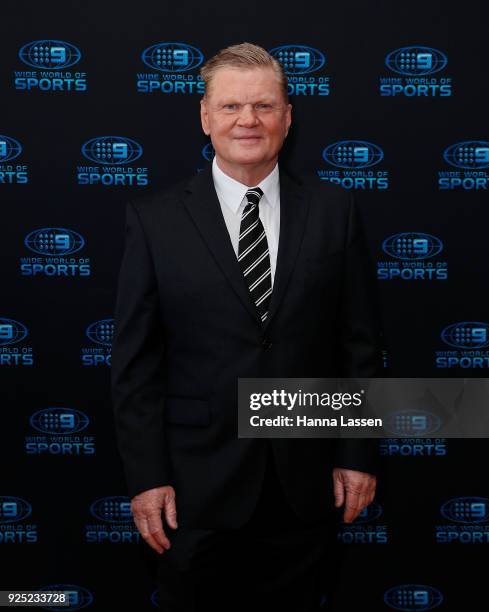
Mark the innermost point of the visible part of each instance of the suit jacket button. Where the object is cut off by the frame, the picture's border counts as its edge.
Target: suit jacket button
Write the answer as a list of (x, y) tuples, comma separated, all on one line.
[(266, 343)]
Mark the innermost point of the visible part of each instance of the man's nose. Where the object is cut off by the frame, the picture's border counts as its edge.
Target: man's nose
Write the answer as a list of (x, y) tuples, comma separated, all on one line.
[(247, 115)]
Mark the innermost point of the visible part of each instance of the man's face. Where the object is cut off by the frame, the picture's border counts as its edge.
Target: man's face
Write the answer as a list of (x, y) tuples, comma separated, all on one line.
[(245, 115)]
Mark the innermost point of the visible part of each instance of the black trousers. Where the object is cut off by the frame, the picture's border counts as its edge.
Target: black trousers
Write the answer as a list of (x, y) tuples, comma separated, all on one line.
[(273, 563)]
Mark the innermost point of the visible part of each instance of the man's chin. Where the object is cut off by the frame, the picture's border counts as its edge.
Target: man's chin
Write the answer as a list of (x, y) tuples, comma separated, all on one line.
[(249, 155)]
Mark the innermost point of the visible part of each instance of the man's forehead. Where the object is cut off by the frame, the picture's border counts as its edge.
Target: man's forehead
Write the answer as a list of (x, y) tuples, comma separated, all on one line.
[(243, 71), (257, 79)]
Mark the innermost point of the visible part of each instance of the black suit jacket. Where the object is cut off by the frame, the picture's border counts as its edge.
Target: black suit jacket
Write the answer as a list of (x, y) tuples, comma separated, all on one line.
[(186, 328)]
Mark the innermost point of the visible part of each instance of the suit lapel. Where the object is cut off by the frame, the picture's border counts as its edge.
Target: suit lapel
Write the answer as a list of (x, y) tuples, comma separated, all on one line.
[(294, 207), (204, 208)]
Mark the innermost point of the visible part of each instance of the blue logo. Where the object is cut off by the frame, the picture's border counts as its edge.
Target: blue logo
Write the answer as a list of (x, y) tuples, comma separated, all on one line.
[(77, 596), (9, 148), (54, 241), (13, 509), (409, 597), (208, 151), (154, 598), (112, 150), (466, 335), (298, 59), (365, 529), (416, 61), (57, 421), (412, 246), (466, 510), (172, 57), (11, 331), (353, 154), (407, 423), (470, 155), (101, 331), (112, 509), (49, 54), (371, 513)]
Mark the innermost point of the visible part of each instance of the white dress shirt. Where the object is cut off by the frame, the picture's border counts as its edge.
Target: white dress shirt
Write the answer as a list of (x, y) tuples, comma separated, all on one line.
[(231, 195)]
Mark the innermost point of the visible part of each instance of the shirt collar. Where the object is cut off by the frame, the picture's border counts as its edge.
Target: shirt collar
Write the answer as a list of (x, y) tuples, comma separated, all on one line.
[(232, 191)]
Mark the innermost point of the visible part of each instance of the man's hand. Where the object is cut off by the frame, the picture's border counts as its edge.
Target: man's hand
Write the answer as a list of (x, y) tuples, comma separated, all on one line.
[(146, 509), (355, 489)]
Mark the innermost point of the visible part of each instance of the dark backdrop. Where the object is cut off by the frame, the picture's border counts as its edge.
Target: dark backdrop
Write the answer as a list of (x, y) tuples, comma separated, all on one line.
[(64, 515)]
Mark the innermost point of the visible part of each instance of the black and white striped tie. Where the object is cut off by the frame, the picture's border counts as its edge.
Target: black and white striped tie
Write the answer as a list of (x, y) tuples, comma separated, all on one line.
[(253, 253)]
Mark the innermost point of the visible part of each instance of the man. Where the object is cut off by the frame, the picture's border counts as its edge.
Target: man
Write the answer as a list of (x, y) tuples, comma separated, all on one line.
[(239, 272)]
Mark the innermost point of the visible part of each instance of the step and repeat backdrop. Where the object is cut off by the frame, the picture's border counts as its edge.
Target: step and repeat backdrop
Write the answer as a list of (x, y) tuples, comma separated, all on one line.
[(100, 104)]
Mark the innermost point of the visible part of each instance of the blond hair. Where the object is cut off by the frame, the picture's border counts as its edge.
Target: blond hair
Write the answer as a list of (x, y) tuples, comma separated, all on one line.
[(245, 55)]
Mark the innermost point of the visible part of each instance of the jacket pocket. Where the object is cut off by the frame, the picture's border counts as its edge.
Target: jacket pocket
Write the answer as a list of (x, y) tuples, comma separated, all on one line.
[(187, 411)]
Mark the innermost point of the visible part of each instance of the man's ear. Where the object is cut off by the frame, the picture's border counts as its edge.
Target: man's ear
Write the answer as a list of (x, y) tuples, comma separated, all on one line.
[(288, 119), (204, 117)]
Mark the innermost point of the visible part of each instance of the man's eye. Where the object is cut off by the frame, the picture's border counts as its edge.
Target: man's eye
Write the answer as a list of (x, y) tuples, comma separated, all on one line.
[(263, 105), (230, 106)]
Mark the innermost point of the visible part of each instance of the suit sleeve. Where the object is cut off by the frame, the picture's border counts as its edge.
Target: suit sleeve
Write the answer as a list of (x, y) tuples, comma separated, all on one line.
[(360, 335), (137, 380)]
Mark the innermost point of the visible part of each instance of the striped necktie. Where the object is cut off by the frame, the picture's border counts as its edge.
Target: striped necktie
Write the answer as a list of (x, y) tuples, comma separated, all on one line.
[(253, 254)]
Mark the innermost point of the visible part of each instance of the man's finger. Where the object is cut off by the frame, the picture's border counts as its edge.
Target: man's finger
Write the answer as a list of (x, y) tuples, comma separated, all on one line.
[(370, 494), (171, 511), (142, 525), (362, 502), (352, 506), (339, 494), (149, 539), (155, 527)]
